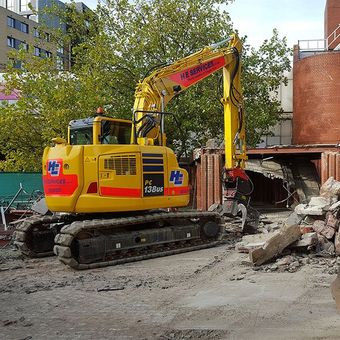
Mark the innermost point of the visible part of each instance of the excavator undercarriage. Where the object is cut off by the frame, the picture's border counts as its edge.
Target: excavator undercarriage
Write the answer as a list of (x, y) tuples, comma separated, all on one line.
[(99, 242)]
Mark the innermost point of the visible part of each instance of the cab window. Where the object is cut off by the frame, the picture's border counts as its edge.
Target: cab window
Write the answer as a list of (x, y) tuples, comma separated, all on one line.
[(114, 132), (81, 136)]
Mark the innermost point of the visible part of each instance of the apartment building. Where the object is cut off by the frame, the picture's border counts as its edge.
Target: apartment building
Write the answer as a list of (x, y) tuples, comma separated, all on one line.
[(18, 32)]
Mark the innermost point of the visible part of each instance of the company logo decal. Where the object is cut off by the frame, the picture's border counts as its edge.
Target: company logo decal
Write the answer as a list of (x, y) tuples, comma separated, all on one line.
[(176, 177), (194, 74), (55, 182), (53, 167)]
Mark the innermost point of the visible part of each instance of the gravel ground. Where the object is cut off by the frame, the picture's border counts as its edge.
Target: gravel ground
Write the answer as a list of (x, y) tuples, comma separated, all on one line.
[(207, 294)]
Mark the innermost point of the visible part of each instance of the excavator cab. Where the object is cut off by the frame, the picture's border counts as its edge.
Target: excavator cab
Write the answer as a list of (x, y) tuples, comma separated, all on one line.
[(99, 130)]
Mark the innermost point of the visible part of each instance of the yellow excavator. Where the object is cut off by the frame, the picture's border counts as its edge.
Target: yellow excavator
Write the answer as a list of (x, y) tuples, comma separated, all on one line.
[(115, 188)]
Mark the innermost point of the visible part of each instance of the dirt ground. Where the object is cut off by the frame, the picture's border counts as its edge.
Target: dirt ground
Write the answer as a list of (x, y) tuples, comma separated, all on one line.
[(208, 294)]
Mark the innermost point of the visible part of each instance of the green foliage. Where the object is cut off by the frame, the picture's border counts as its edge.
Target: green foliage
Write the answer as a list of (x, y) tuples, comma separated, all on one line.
[(114, 50), (263, 72)]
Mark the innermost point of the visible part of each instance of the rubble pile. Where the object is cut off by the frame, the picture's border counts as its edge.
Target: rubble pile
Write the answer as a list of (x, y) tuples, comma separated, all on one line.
[(320, 220), (312, 230)]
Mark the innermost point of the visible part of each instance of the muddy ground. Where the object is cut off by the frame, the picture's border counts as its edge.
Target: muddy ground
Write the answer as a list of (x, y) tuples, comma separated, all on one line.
[(208, 294)]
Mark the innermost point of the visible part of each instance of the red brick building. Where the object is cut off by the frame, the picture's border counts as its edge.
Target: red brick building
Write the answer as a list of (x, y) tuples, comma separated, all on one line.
[(316, 90)]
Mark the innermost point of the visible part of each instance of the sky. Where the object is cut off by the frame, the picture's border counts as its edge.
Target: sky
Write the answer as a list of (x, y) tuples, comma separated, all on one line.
[(295, 19)]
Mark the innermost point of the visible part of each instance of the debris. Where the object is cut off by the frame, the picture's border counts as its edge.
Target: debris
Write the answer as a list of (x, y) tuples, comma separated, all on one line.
[(9, 322), (325, 247), (306, 229), (307, 242), (321, 228), (274, 246), (330, 188), (304, 209), (108, 289), (250, 242), (335, 206), (331, 221), (337, 244), (40, 206)]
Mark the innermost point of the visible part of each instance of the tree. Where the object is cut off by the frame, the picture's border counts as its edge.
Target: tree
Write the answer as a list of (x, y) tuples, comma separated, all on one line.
[(128, 40), (263, 72)]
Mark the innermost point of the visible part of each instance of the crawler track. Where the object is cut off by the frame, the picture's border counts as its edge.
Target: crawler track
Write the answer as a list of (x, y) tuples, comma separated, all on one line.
[(34, 237), (105, 242)]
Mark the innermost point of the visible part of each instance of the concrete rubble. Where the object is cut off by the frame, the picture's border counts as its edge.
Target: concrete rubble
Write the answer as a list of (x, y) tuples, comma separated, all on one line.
[(310, 235), (312, 230)]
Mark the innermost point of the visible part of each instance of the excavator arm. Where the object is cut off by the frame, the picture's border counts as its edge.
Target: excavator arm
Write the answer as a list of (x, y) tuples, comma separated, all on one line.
[(155, 91)]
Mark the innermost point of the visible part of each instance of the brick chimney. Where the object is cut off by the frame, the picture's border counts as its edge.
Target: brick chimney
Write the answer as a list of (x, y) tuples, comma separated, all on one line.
[(332, 22)]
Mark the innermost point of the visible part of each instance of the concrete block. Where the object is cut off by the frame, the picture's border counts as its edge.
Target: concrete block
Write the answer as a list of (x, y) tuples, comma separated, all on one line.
[(274, 246), (320, 202), (250, 242), (304, 209), (330, 188)]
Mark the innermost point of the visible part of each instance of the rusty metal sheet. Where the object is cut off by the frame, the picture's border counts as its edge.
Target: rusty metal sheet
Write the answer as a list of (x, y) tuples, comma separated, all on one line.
[(330, 166)]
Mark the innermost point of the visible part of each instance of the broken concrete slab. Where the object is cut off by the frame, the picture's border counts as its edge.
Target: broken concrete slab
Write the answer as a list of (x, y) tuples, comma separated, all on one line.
[(321, 202), (288, 234), (251, 242), (304, 209)]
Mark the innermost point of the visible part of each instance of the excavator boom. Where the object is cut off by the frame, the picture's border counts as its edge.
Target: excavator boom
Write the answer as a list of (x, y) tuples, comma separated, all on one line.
[(156, 90)]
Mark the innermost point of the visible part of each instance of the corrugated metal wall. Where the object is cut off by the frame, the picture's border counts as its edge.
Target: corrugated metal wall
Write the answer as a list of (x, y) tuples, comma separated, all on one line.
[(208, 180), (330, 166)]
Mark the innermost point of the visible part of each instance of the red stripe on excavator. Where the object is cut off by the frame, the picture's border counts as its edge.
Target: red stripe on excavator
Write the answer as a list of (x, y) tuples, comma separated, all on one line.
[(63, 185), (128, 192), (174, 191), (193, 74), (120, 192)]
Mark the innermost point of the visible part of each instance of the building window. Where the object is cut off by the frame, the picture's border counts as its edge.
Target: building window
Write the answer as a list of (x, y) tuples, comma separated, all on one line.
[(37, 51), (23, 27), (60, 50), (48, 54), (24, 46), (36, 32), (48, 37), (10, 22), (10, 42)]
